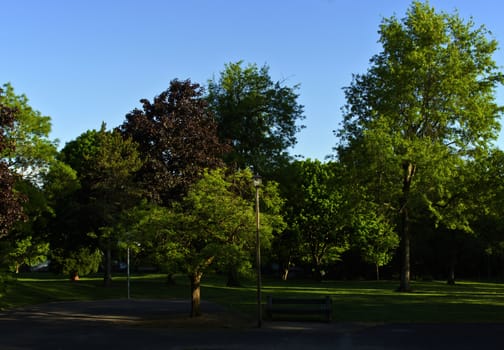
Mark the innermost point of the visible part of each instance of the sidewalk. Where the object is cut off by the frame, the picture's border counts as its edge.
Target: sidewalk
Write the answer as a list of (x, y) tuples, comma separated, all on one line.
[(163, 324)]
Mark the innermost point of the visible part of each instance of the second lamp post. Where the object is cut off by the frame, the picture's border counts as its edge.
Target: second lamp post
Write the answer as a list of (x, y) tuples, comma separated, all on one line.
[(257, 183)]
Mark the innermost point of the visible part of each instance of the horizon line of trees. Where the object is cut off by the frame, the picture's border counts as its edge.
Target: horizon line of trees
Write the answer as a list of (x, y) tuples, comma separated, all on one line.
[(414, 187)]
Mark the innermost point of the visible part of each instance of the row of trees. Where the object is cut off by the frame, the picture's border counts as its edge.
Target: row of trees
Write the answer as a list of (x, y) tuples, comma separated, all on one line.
[(169, 179), (415, 171)]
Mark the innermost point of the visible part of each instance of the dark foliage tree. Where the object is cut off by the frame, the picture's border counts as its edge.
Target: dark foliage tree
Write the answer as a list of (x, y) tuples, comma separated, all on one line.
[(258, 116), (108, 176), (105, 163), (73, 218), (10, 202), (68, 224), (177, 137)]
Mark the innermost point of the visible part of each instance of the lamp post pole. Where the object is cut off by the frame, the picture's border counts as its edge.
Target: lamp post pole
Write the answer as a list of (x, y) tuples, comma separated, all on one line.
[(257, 184), (128, 270), (128, 263)]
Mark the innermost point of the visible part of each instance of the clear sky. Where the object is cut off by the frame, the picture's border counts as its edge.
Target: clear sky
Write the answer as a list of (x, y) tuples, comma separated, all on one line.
[(82, 62)]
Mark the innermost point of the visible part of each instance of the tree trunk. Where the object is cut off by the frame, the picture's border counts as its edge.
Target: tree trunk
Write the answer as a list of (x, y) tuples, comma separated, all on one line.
[(317, 273), (502, 265), (316, 263), (170, 280), (451, 275), (107, 278), (377, 272), (285, 273), (452, 261), (195, 279), (409, 171), (489, 267), (405, 285), (74, 276), (285, 269), (233, 280)]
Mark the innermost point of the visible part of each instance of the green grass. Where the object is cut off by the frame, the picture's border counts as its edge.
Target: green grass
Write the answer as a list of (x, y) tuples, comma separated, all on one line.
[(430, 302), (356, 301)]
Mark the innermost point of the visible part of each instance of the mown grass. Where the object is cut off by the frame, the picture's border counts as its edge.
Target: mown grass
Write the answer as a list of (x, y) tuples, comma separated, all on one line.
[(430, 302), (353, 301)]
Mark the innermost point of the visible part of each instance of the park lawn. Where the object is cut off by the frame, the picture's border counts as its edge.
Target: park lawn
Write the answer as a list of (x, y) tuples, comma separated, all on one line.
[(365, 301), (36, 288), (353, 301)]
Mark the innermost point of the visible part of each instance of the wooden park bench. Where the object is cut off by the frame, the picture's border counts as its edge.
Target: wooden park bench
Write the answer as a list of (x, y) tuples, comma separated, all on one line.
[(299, 306)]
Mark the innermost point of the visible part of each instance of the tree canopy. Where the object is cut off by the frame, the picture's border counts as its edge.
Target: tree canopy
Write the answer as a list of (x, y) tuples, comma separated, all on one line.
[(214, 225), (318, 214), (177, 137), (95, 192), (29, 132), (426, 103), (257, 115)]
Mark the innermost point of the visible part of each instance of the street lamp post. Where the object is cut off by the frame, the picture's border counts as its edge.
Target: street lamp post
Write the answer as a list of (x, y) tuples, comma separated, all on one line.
[(128, 269), (257, 183), (128, 260)]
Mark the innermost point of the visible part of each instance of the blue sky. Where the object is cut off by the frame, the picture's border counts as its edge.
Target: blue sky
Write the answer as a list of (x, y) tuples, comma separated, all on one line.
[(82, 62)]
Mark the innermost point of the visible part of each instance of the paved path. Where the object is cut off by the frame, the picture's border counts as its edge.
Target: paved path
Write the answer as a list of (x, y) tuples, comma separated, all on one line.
[(162, 324)]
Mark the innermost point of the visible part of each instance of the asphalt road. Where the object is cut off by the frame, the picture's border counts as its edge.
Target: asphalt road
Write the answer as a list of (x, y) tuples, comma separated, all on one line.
[(163, 324)]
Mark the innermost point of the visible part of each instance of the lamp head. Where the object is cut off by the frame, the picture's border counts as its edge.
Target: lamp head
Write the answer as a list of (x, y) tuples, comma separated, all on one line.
[(257, 180)]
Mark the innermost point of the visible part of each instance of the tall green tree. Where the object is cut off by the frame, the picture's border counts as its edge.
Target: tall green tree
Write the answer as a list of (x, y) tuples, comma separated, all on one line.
[(109, 177), (257, 115), (105, 164), (426, 102), (74, 219), (375, 236), (68, 225), (177, 138), (318, 213)]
